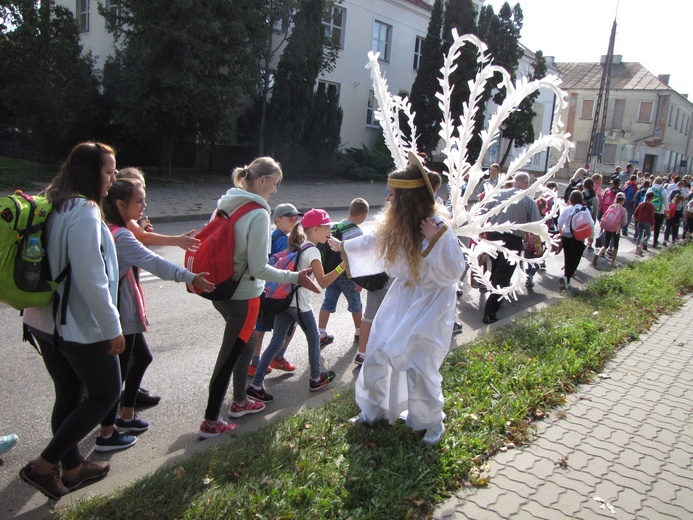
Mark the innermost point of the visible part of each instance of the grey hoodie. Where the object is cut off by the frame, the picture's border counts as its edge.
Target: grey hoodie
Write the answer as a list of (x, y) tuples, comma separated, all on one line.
[(252, 247)]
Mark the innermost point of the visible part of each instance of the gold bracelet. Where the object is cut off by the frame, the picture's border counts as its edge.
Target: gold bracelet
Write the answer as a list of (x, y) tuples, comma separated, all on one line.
[(339, 269)]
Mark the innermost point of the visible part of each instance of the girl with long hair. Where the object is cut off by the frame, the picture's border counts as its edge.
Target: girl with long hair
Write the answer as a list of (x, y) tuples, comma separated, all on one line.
[(79, 348), (415, 244)]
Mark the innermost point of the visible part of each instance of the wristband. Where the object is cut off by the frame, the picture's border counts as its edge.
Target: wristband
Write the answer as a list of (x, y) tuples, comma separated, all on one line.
[(339, 269)]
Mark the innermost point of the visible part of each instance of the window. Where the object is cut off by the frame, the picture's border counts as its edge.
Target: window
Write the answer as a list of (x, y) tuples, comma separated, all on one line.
[(587, 109), (671, 112), (331, 89), (418, 46), (83, 15), (382, 39), (334, 23), (370, 110), (645, 112), (619, 109), (678, 114)]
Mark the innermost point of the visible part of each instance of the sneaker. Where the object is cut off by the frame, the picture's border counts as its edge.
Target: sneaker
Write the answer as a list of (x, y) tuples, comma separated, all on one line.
[(590, 249), (356, 338), (358, 360), (250, 406), (456, 328), (644, 248), (563, 281), (7, 442), (325, 379), (284, 364), (89, 473), (252, 369), (259, 395), (47, 483), (433, 435), (664, 244), (145, 398), (595, 260), (208, 431), (135, 425), (326, 340), (529, 283), (489, 319), (117, 441), (356, 420)]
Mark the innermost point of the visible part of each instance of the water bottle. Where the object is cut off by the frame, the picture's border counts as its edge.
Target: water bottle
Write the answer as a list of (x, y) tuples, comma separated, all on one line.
[(31, 268)]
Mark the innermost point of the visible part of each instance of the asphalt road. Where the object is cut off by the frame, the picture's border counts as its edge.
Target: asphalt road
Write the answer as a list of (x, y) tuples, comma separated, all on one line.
[(184, 337)]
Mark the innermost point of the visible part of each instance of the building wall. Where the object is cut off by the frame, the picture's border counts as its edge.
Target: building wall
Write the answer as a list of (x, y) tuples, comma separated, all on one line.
[(665, 135)]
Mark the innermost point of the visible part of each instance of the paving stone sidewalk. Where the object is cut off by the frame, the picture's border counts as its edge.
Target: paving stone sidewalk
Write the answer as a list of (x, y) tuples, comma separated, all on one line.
[(627, 439)]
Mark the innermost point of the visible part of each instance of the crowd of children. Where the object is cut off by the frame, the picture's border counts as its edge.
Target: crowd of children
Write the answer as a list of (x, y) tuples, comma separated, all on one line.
[(413, 242)]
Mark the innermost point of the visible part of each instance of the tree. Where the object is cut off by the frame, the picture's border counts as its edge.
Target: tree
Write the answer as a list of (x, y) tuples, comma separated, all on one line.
[(461, 15), (423, 98), (180, 68), (501, 33), (47, 82), (308, 51), (519, 127)]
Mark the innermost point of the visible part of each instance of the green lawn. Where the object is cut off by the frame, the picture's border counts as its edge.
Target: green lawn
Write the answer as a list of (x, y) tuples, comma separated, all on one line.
[(314, 465)]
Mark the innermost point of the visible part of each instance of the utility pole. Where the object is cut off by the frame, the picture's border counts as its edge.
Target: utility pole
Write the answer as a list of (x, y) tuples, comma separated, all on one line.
[(596, 145)]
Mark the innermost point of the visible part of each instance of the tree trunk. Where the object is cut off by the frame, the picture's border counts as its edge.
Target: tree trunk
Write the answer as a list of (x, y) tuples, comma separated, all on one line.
[(164, 168), (507, 152)]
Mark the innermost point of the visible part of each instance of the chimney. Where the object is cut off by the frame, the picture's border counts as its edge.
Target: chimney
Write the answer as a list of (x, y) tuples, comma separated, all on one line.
[(615, 60), (664, 78)]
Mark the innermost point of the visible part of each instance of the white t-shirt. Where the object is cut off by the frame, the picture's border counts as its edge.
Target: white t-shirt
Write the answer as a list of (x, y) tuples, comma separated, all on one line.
[(304, 262)]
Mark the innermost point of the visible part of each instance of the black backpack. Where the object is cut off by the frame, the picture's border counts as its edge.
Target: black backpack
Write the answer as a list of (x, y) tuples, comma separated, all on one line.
[(331, 259)]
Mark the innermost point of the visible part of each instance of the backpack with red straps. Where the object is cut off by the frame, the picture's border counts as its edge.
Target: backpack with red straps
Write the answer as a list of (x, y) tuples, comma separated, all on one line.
[(215, 254)]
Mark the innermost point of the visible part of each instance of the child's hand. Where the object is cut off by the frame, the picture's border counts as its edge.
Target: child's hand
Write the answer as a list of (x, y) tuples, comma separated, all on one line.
[(186, 241), (334, 244), (429, 229), (304, 280), (202, 283)]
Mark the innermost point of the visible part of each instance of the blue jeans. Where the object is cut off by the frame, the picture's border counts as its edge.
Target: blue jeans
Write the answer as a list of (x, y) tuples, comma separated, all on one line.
[(342, 285), (282, 323), (629, 210), (643, 230)]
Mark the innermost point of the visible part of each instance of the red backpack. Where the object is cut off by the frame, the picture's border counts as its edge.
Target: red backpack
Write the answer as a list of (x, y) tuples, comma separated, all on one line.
[(579, 224), (215, 254)]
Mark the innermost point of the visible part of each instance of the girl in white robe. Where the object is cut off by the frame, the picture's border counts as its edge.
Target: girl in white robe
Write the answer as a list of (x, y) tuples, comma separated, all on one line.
[(411, 332)]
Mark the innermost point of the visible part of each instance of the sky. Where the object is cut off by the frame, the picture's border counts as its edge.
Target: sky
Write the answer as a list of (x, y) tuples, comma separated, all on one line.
[(656, 34)]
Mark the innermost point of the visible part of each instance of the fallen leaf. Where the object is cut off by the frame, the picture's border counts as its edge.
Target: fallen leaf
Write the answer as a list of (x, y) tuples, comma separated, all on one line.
[(604, 504), (605, 376), (562, 461), (179, 472), (207, 481)]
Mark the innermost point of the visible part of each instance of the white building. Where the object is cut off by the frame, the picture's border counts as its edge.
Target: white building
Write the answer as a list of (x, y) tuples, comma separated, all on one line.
[(395, 28)]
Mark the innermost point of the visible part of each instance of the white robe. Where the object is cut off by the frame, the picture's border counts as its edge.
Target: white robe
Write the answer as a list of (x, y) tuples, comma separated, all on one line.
[(411, 332)]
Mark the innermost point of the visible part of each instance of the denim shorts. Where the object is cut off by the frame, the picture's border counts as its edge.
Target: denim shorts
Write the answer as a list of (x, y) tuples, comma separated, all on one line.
[(342, 285)]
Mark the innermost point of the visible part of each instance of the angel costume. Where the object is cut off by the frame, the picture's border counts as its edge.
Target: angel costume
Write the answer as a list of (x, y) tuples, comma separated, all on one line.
[(411, 332)]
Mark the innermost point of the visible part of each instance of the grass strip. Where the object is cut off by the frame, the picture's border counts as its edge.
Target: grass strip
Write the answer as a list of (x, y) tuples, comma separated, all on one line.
[(314, 466)]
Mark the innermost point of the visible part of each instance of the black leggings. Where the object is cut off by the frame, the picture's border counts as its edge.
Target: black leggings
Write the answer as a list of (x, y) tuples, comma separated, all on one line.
[(501, 270), (572, 254), (659, 220), (74, 368), (141, 359)]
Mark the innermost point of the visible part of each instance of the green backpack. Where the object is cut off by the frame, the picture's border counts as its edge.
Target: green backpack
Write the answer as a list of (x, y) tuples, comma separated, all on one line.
[(23, 217)]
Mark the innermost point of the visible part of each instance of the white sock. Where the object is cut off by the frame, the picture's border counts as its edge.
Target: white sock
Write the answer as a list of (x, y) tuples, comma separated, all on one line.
[(323, 332), (357, 331)]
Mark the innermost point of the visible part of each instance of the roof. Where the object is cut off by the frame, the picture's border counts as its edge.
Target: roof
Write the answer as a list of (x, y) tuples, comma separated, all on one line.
[(624, 76)]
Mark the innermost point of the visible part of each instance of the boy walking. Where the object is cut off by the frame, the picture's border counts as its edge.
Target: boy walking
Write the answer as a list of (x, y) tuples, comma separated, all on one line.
[(358, 212), (644, 220)]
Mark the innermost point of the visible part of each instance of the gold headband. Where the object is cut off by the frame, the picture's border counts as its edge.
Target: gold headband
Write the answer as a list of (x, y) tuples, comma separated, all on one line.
[(405, 184)]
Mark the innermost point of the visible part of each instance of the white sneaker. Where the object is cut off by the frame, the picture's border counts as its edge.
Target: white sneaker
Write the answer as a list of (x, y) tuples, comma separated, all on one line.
[(433, 435)]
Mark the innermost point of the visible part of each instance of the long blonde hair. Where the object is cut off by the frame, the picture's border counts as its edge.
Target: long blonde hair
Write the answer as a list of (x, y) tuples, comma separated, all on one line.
[(399, 227)]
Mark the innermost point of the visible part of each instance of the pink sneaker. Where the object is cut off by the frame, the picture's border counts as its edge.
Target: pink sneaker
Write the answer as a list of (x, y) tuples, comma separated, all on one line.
[(250, 406), (207, 431), (284, 364)]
